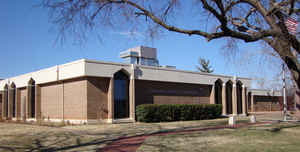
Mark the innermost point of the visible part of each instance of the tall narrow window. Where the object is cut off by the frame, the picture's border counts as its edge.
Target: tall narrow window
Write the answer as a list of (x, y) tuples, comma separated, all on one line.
[(218, 91), (6, 100), (121, 95), (13, 96), (239, 97), (31, 85), (249, 101), (229, 97)]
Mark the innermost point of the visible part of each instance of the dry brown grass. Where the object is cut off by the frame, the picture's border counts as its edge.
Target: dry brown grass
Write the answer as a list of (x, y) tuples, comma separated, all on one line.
[(272, 138), (53, 137)]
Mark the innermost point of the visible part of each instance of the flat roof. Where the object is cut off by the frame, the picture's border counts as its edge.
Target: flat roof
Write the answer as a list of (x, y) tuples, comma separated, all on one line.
[(84, 67)]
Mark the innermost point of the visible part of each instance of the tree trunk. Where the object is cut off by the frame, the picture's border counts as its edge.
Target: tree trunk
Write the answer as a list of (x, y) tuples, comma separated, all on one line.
[(283, 47)]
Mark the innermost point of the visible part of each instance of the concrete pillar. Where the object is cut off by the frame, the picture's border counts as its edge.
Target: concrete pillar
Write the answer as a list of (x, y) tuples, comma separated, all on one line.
[(234, 99), (212, 95), (38, 112), (132, 99), (132, 93), (10, 102), (110, 105), (252, 103), (244, 100), (224, 112), (232, 120)]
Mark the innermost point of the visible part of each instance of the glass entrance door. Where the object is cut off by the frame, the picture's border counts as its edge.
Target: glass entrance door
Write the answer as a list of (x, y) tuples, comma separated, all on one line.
[(121, 95)]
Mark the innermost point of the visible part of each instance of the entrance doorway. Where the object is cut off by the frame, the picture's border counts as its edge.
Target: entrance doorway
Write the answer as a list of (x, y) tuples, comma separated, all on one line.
[(121, 95)]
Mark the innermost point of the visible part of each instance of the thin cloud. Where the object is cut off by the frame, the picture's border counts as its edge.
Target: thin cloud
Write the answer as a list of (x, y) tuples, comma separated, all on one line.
[(131, 34)]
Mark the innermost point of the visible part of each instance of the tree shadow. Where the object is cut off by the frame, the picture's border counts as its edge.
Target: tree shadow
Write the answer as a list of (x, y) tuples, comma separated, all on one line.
[(7, 148), (53, 141)]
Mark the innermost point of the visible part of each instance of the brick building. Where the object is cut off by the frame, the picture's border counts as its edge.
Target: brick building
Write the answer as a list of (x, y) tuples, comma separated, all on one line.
[(87, 91)]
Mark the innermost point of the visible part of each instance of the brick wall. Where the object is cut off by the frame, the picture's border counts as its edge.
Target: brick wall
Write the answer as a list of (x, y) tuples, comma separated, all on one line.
[(75, 98), (51, 101), (267, 103), (23, 98), (97, 89), (64, 100), (149, 92)]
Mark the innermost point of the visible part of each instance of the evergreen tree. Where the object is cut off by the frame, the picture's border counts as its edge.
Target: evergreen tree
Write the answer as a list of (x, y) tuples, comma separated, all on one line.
[(204, 66)]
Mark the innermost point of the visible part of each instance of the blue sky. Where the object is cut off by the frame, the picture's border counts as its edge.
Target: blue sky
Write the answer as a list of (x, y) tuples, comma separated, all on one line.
[(27, 43)]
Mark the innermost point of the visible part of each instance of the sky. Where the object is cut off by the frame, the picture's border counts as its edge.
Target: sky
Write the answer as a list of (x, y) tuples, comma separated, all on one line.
[(28, 43)]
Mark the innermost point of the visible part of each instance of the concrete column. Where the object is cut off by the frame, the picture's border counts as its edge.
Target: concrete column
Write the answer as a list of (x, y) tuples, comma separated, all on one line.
[(234, 99), (252, 103), (132, 93), (132, 99), (224, 112), (212, 95), (244, 99), (38, 112), (110, 104), (10, 102)]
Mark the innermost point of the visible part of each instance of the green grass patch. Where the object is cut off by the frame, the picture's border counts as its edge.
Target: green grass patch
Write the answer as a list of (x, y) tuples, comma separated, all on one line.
[(251, 139)]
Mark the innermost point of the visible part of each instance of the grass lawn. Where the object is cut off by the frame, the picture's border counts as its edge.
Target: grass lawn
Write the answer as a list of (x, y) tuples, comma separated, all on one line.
[(281, 137), (278, 137), (27, 137)]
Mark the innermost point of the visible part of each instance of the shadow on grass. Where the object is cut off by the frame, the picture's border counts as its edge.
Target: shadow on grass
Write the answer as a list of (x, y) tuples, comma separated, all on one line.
[(71, 140), (60, 141), (49, 142)]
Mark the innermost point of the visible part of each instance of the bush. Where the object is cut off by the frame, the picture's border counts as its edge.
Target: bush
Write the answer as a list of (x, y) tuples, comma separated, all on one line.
[(177, 112)]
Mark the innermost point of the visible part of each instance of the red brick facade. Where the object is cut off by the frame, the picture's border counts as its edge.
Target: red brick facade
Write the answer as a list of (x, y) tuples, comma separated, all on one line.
[(154, 92), (89, 98), (97, 90), (64, 100), (267, 103)]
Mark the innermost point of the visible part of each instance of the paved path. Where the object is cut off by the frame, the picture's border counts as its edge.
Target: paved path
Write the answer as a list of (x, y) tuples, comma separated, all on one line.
[(132, 143)]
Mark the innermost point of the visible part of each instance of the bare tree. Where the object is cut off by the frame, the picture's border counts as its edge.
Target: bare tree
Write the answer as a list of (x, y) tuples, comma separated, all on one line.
[(204, 66), (246, 20)]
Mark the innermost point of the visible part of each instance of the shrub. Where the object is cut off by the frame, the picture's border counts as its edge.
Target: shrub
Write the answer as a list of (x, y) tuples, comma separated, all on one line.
[(177, 112)]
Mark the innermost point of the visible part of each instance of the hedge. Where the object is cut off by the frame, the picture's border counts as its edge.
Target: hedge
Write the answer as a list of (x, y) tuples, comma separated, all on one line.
[(177, 112)]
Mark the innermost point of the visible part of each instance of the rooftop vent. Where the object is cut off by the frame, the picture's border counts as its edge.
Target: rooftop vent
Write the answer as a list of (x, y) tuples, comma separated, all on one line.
[(169, 66), (140, 55)]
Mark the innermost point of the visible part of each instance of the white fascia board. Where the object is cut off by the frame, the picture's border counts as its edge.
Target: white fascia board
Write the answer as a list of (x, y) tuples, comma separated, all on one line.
[(174, 75), (71, 70), (52, 74), (104, 69), (264, 92), (84, 67), (40, 76), (159, 74), (151, 73)]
